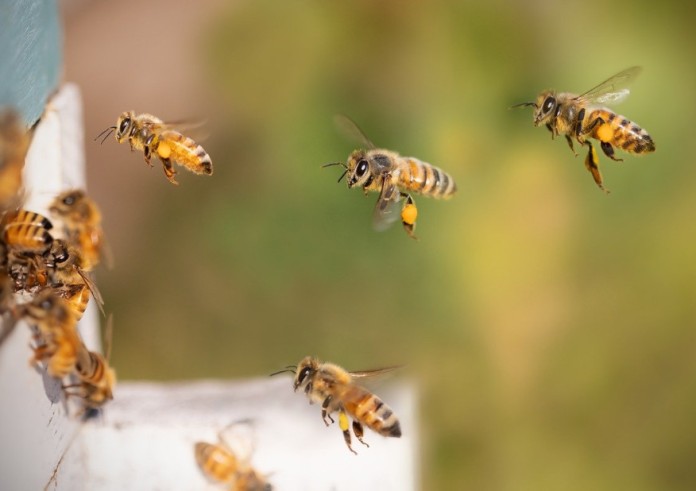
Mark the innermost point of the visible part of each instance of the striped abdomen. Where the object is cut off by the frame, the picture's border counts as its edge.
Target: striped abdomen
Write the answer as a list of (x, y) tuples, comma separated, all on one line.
[(216, 462), (91, 367), (371, 411), (27, 231), (425, 179), (27, 237), (184, 151), (621, 132), (77, 299)]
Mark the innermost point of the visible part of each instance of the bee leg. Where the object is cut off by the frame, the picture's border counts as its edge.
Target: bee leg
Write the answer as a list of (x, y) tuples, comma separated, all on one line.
[(550, 128), (345, 427), (409, 213), (570, 144), (147, 154), (169, 171), (358, 432), (324, 413), (609, 151), (592, 165)]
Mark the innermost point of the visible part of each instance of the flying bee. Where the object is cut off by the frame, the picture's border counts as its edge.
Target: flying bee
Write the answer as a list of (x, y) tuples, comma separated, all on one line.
[(154, 137), (82, 221), (394, 177), (221, 463), (58, 342), (584, 116), (97, 377), (333, 387)]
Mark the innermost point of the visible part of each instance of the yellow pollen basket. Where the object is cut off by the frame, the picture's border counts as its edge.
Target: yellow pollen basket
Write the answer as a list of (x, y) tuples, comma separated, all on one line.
[(164, 150), (409, 214), (605, 133)]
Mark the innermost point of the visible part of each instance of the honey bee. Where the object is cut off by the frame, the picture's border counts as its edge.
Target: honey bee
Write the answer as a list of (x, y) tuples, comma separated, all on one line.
[(97, 378), (394, 177), (14, 142), (82, 220), (583, 116), (220, 463), (153, 136), (58, 342), (66, 275), (333, 387)]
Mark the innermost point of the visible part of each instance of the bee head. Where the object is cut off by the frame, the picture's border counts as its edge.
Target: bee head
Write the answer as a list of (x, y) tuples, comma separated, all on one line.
[(545, 107), (305, 371), (67, 201), (124, 125), (358, 169)]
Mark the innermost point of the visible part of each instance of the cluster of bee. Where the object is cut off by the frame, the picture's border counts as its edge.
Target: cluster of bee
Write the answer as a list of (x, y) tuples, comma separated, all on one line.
[(45, 274)]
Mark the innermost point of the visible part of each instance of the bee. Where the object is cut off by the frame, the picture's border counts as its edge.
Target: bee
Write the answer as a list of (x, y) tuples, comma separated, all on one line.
[(58, 342), (26, 238), (97, 378), (333, 387), (220, 463), (82, 220), (66, 275), (584, 116), (154, 137), (394, 177), (14, 142)]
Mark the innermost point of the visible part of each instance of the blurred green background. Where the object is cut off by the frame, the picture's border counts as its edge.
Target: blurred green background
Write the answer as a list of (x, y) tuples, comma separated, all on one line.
[(550, 327)]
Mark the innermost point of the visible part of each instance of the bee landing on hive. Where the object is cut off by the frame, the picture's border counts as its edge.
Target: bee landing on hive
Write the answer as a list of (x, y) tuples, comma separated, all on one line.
[(333, 388)]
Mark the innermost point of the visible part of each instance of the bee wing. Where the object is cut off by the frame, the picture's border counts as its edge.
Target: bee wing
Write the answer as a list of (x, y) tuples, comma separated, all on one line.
[(378, 372), (193, 128), (239, 438), (386, 209), (352, 131), (93, 289), (613, 90)]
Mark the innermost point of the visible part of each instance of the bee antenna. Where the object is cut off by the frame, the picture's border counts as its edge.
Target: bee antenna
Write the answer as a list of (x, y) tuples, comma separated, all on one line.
[(337, 163), (334, 163), (523, 104), (288, 369), (108, 132)]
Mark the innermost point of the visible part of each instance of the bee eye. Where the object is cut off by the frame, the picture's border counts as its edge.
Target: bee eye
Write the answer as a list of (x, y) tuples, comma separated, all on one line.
[(303, 374), (362, 168), (124, 125), (46, 304), (69, 200), (548, 104)]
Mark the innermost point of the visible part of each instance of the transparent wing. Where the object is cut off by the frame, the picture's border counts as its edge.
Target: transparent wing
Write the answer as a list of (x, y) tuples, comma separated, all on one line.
[(96, 294), (386, 209), (613, 90), (375, 373), (239, 437), (348, 128), (193, 128)]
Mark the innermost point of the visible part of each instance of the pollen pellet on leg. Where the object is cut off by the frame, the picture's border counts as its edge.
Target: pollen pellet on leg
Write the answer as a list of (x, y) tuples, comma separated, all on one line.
[(605, 133), (164, 150), (409, 214)]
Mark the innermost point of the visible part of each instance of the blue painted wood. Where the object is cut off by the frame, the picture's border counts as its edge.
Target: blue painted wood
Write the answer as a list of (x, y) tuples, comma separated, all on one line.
[(30, 55)]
